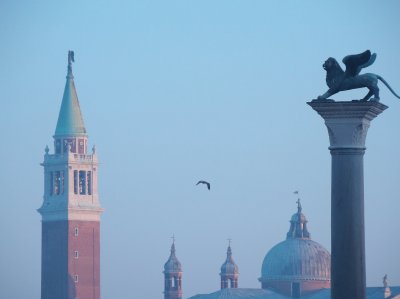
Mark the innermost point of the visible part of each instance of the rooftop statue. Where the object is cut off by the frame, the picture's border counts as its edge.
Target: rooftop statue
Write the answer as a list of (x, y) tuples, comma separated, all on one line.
[(385, 281), (71, 57), (339, 80)]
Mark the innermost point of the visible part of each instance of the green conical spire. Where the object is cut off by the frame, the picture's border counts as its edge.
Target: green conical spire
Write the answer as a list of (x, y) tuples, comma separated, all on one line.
[(70, 121)]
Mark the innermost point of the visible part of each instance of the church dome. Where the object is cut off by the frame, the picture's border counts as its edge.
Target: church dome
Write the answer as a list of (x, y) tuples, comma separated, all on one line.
[(172, 265), (297, 260)]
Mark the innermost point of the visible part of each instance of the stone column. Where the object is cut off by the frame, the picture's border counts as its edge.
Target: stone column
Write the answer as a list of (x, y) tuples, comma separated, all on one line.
[(347, 124)]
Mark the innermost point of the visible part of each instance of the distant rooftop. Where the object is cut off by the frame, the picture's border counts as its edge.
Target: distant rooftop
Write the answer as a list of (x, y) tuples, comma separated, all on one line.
[(372, 293)]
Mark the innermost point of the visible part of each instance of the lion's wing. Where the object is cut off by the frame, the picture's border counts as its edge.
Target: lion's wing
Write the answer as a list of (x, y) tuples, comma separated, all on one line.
[(354, 63)]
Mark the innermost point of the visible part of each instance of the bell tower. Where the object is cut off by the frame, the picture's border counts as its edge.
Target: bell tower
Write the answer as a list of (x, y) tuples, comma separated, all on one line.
[(229, 271), (71, 208), (173, 276)]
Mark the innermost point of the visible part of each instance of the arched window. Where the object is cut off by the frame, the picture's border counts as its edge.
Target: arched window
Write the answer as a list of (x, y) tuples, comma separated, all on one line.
[(89, 183), (82, 182), (75, 181), (51, 180), (173, 282)]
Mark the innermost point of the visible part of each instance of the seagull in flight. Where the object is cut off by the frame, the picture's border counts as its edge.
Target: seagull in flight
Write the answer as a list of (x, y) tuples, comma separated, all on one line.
[(204, 182)]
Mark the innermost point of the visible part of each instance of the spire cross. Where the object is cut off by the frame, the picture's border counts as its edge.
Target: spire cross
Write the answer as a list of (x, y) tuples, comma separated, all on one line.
[(298, 201), (173, 239), (229, 241)]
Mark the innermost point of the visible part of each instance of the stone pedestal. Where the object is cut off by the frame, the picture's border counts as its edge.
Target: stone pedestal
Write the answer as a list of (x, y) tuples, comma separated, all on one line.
[(387, 293), (347, 124)]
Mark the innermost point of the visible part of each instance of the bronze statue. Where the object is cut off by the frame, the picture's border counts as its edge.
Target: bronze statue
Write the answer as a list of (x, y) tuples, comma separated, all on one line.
[(71, 57), (339, 80)]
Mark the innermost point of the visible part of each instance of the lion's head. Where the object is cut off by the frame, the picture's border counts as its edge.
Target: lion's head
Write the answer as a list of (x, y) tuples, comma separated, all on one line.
[(333, 71), (331, 64)]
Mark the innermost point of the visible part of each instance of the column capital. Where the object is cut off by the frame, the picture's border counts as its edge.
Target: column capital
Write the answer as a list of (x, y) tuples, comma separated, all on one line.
[(347, 122)]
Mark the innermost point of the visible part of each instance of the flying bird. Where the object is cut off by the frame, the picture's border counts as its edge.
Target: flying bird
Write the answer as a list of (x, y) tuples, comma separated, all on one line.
[(204, 182)]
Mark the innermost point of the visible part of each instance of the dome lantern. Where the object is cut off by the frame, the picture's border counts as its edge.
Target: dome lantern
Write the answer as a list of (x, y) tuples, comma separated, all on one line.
[(298, 224)]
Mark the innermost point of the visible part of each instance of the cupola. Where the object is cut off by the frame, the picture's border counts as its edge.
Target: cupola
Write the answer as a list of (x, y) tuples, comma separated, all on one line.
[(229, 271)]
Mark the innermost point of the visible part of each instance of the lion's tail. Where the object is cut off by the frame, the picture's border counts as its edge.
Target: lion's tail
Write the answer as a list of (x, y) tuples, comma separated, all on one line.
[(388, 86)]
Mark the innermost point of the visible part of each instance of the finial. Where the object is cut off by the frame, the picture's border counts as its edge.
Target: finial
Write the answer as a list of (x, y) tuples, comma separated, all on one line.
[(229, 250), (385, 281), (70, 60), (70, 57), (46, 150), (173, 244), (298, 202), (93, 149)]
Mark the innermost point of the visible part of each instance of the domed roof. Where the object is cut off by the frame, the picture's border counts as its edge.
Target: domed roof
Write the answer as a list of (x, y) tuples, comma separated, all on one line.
[(298, 257), (229, 266), (172, 265)]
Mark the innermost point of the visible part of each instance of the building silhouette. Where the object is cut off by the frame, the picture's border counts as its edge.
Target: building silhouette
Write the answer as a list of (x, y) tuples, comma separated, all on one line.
[(297, 267), (71, 208)]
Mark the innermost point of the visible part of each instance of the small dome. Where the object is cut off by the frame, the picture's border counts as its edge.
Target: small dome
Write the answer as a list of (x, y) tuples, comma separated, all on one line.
[(298, 217), (229, 266), (172, 265)]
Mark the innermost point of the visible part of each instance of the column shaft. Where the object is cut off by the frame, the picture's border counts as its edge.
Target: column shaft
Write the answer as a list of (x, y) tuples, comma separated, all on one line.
[(347, 224)]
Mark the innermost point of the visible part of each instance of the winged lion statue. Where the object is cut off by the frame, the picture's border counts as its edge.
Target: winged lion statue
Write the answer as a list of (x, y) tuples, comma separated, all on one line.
[(339, 80)]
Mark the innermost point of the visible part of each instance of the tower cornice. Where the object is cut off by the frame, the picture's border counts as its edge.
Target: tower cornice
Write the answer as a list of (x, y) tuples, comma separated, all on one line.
[(69, 214)]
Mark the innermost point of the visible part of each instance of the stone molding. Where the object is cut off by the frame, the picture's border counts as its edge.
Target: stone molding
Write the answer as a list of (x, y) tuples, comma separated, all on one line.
[(71, 214), (347, 122)]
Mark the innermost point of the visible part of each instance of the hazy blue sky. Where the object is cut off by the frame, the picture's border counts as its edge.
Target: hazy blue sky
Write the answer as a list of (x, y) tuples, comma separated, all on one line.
[(177, 91)]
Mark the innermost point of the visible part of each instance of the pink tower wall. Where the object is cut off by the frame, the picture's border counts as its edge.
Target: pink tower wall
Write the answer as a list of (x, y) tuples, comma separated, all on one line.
[(59, 265)]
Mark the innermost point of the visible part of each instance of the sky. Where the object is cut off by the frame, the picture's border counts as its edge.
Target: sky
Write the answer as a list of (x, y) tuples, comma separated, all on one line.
[(177, 91)]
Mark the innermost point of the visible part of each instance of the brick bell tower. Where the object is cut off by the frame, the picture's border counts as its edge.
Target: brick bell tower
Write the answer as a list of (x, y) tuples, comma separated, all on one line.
[(71, 208)]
